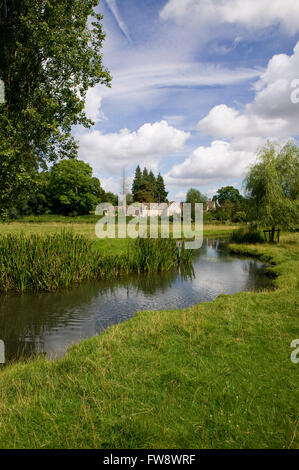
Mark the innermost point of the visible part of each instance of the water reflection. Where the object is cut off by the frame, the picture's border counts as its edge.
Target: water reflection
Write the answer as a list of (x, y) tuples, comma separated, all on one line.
[(50, 322)]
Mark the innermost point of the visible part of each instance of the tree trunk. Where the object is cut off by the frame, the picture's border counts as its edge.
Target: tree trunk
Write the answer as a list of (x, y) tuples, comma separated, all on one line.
[(271, 234)]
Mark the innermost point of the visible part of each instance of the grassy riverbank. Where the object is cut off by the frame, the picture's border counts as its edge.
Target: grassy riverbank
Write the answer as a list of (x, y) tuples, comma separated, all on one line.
[(215, 375)]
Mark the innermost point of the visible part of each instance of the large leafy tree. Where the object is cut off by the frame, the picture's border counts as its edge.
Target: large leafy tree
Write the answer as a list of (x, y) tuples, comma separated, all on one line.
[(51, 53), (272, 187), (228, 193), (195, 196), (72, 190), (111, 198), (229, 202)]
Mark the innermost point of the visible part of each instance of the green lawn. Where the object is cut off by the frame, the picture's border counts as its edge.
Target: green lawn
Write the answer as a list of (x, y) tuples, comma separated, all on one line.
[(216, 375), (85, 225)]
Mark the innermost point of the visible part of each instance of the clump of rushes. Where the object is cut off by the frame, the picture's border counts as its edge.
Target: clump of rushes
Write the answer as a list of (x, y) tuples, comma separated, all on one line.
[(62, 259), (246, 236), (161, 254)]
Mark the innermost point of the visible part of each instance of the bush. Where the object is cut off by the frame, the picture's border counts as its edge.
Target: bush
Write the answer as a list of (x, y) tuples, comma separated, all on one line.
[(221, 215), (209, 216), (240, 216), (247, 236)]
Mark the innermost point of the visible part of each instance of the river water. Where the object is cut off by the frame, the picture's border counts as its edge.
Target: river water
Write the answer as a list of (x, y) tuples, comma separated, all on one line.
[(51, 322)]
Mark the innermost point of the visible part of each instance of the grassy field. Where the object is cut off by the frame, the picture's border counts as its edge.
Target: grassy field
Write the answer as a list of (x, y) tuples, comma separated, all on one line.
[(85, 225), (216, 375)]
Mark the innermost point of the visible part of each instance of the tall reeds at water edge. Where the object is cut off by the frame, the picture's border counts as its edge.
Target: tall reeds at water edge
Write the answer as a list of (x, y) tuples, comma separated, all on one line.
[(161, 254), (57, 261)]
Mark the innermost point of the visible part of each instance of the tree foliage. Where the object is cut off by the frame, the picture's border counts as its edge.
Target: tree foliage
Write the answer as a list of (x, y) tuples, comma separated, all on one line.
[(195, 196), (161, 193), (228, 193), (147, 188), (50, 56), (272, 187), (72, 190), (230, 204), (111, 198)]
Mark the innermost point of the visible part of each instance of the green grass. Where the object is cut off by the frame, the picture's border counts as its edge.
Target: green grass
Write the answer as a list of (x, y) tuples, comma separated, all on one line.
[(217, 375), (56, 219), (49, 262), (85, 225), (50, 225)]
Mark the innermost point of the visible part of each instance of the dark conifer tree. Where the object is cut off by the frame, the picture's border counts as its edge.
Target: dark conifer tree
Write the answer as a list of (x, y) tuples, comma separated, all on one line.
[(161, 193), (137, 183)]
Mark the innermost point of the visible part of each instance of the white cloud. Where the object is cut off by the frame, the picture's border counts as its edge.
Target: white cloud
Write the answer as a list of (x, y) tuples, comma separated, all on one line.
[(217, 162), (110, 184), (93, 105), (271, 115), (123, 149), (272, 112), (251, 14), (180, 196), (226, 122)]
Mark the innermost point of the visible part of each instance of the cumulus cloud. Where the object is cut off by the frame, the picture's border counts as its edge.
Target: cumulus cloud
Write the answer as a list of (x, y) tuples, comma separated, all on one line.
[(93, 105), (219, 161), (224, 121), (272, 112), (123, 149), (110, 184), (180, 196), (251, 14), (239, 134)]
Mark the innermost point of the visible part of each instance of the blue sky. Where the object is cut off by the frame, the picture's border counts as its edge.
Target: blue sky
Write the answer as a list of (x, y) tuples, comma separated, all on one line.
[(198, 86)]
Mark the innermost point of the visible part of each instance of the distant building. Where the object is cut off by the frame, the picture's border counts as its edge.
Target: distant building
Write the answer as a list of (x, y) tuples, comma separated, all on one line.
[(211, 205), (174, 208), (147, 209)]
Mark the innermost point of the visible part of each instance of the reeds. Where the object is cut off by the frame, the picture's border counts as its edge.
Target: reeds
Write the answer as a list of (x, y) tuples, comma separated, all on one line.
[(245, 235), (57, 261)]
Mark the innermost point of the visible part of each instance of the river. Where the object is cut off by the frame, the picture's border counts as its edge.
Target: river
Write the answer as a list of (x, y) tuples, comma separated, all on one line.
[(51, 322)]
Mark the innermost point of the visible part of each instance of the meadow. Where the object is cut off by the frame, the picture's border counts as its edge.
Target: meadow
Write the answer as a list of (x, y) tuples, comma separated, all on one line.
[(216, 375), (85, 226)]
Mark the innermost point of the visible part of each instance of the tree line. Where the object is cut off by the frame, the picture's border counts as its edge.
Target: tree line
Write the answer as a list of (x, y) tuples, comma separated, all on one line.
[(229, 204), (148, 188), (67, 188), (271, 191)]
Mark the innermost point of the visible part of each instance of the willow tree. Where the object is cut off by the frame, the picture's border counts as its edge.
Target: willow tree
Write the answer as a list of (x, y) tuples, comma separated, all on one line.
[(272, 187), (50, 54)]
